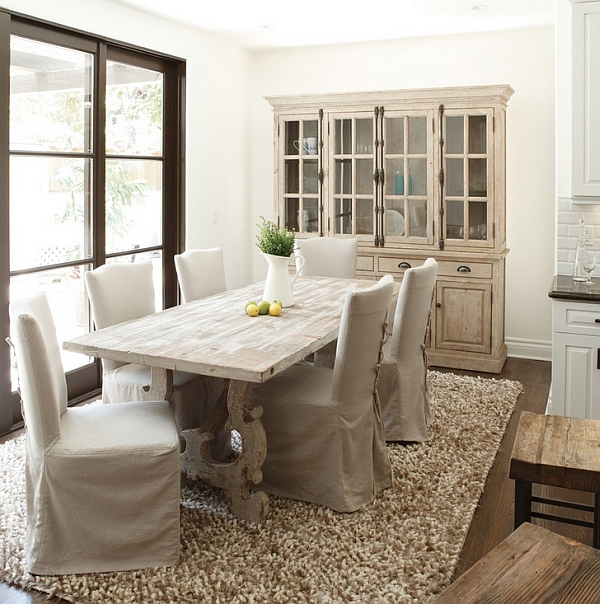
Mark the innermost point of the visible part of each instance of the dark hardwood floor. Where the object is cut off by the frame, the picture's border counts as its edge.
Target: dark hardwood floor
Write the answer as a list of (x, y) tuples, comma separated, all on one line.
[(493, 520)]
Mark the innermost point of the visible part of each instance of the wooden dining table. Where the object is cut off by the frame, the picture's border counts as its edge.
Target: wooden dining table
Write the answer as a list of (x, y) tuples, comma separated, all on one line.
[(214, 336)]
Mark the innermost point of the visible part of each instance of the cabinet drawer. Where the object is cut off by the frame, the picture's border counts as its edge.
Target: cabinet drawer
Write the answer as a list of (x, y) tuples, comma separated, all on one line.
[(576, 317), (364, 263), (480, 270), (398, 264)]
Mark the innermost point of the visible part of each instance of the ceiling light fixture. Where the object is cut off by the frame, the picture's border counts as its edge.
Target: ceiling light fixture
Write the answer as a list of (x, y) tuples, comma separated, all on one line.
[(480, 7)]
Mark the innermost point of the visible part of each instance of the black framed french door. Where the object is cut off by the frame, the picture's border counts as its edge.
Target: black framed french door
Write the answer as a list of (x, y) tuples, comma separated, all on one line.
[(91, 172)]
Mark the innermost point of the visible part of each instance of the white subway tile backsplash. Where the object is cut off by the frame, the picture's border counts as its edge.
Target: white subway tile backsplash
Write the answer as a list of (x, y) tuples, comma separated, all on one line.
[(567, 232)]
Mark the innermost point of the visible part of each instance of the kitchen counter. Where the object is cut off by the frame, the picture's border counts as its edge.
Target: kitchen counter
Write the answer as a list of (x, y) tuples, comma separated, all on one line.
[(564, 288)]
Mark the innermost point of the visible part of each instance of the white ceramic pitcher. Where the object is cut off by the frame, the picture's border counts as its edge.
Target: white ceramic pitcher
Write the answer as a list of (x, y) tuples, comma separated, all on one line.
[(279, 284)]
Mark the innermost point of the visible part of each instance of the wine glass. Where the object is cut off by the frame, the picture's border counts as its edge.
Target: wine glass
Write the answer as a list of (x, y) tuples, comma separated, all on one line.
[(589, 263)]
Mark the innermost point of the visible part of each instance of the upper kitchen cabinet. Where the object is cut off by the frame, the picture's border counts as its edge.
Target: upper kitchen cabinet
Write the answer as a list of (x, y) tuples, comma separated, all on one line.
[(585, 186)]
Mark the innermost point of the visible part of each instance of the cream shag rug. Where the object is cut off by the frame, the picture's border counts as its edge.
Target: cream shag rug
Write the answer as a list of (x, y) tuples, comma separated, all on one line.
[(403, 548)]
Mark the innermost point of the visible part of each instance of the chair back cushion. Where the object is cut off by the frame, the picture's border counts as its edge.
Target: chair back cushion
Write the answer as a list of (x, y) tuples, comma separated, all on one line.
[(328, 257), (41, 376), (412, 310), (201, 273), (120, 292), (359, 342)]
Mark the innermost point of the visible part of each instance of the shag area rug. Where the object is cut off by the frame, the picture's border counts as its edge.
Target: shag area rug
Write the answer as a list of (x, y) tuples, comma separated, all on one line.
[(403, 548)]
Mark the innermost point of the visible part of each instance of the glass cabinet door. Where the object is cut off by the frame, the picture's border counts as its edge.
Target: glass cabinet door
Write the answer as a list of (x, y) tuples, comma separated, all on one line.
[(467, 198), (301, 189), (406, 157), (352, 168)]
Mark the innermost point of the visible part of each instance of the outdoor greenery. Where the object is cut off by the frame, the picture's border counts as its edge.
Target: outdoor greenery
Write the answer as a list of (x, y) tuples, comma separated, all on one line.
[(274, 240)]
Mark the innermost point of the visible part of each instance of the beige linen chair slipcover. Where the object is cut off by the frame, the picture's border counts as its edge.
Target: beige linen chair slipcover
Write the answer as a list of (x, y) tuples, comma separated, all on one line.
[(201, 273), (123, 291), (102, 481), (328, 256), (403, 377), (325, 440)]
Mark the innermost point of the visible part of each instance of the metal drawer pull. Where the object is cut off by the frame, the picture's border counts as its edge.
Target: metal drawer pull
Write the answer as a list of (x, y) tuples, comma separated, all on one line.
[(463, 269), (598, 358), (404, 265), (596, 320)]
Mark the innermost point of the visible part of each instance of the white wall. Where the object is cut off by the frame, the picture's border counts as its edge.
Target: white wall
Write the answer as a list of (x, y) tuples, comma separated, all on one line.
[(217, 116), (522, 58)]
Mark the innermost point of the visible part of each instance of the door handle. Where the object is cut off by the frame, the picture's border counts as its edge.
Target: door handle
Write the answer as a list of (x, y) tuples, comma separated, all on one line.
[(463, 269), (404, 265)]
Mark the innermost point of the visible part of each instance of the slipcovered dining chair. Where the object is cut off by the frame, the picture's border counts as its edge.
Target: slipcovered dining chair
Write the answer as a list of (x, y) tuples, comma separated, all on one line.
[(325, 440), (201, 273), (403, 377), (123, 291), (102, 481), (328, 256)]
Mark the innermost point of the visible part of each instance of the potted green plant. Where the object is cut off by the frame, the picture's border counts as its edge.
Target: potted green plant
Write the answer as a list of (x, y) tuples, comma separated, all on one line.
[(277, 246)]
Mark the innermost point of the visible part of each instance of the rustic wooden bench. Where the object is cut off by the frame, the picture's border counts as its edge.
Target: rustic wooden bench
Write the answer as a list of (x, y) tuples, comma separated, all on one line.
[(561, 452), (531, 566)]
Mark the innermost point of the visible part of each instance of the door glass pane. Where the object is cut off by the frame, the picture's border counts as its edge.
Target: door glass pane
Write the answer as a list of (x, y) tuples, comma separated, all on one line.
[(477, 177), (50, 97), (292, 176), (133, 204), (51, 207), (364, 177), (454, 136), (134, 108), (455, 186), (455, 220), (418, 218), (343, 177), (310, 182), (417, 135), (394, 185), (292, 135), (477, 220), (417, 176), (343, 137), (364, 217), (310, 215), (364, 136), (394, 135), (343, 217), (292, 211), (477, 134), (394, 219)]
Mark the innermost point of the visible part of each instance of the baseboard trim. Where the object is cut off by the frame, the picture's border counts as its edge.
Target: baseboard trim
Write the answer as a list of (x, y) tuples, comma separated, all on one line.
[(538, 350)]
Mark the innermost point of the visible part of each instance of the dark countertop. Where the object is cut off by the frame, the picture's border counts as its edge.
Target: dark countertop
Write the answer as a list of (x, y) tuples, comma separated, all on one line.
[(564, 288)]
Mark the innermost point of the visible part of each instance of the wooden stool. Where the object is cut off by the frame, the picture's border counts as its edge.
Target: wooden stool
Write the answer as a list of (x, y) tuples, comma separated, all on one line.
[(561, 452), (531, 566)]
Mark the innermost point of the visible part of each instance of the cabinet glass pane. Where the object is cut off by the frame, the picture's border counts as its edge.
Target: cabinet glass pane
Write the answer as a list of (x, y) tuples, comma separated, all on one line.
[(364, 217), (292, 134), (394, 135), (394, 219), (343, 137), (454, 136), (310, 215), (364, 177), (394, 185), (477, 134), (477, 220), (310, 181), (292, 210), (477, 177), (364, 136), (292, 176), (417, 135), (455, 220), (343, 177), (417, 176), (417, 218), (343, 217), (455, 177)]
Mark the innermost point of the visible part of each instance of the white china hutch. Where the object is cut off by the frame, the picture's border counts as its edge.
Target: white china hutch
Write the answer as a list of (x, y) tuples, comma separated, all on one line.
[(411, 174)]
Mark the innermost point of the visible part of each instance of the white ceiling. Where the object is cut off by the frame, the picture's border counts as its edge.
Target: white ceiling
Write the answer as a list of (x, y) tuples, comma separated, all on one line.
[(261, 24)]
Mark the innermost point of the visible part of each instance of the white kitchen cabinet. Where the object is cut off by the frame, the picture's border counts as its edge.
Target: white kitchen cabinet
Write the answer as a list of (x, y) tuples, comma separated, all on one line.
[(575, 359)]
